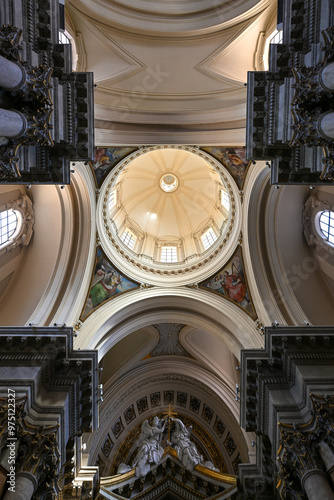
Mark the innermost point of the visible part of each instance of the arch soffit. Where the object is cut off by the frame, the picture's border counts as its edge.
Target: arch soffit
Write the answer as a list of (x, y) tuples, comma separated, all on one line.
[(76, 252), (126, 314), (255, 192), (274, 300), (280, 267), (151, 369)]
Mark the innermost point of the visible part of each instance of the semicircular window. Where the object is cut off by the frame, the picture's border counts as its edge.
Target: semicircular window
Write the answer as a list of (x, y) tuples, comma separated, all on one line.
[(8, 225), (326, 223)]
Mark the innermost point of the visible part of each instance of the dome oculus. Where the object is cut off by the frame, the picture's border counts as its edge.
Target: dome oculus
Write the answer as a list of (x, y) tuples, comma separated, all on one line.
[(169, 183)]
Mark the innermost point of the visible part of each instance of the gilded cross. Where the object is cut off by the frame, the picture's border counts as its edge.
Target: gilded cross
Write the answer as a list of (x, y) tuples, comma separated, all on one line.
[(170, 413)]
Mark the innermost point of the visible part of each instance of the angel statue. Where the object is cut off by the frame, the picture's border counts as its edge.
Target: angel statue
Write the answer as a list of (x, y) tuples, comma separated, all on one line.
[(149, 447), (186, 450)]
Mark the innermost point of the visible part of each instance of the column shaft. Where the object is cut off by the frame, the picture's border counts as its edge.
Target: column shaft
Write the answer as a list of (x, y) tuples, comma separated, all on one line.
[(12, 123), (12, 75), (326, 77), (326, 125), (316, 485), (23, 489)]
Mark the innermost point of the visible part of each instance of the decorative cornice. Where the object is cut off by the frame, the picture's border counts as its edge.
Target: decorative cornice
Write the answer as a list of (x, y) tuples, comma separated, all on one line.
[(63, 369)]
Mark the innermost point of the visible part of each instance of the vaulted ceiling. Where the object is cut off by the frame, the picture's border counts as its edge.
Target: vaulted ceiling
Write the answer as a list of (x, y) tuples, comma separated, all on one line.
[(162, 68)]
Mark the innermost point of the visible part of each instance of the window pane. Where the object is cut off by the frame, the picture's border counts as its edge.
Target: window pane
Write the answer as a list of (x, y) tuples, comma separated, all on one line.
[(326, 223), (128, 239), (8, 225), (225, 199), (168, 254), (209, 238), (112, 199)]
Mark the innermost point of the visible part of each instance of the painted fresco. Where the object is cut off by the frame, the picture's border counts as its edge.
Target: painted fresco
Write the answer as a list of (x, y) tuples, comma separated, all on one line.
[(106, 159), (233, 158), (107, 283), (230, 282)]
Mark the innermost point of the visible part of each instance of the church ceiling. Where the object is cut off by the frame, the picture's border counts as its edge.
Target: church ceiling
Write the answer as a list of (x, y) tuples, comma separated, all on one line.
[(150, 62), (169, 343), (232, 157), (229, 282), (106, 159)]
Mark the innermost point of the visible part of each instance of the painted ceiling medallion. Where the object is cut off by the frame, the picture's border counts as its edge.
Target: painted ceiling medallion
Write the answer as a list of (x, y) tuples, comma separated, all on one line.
[(169, 183)]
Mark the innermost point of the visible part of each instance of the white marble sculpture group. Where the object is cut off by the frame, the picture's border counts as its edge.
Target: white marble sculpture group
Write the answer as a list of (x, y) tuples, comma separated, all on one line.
[(150, 450)]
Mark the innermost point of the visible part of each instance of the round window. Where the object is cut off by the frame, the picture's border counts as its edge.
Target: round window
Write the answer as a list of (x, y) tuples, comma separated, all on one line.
[(326, 223)]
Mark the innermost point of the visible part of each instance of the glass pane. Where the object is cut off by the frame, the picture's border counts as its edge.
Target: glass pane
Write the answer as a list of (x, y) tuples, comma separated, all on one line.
[(8, 225), (326, 223), (128, 239), (168, 254), (209, 238)]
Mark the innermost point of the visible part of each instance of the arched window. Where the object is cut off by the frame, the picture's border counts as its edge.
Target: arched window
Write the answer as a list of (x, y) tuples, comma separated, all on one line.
[(9, 225), (128, 239), (112, 199), (16, 223), (208, 238), (326, 223), (168, 254), (225, 199)]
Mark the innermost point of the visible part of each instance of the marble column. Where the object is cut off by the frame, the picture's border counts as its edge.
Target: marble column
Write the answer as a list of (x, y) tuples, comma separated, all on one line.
[(328, 458), (326, 125), (12, 123), (316, 485), (12, 74), (25, 485), (326, 77)]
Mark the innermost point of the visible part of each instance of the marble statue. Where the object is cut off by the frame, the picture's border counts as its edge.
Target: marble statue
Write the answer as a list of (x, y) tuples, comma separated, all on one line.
[(186, 450), (150, 450), (123, 468)]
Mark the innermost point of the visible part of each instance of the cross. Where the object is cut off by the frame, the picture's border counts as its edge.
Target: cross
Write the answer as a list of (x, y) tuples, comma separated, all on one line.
[(169, 414)]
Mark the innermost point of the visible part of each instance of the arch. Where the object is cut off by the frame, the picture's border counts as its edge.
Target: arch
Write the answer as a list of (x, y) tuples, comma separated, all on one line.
[(281, 267), (158, 375), (116, 319)]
